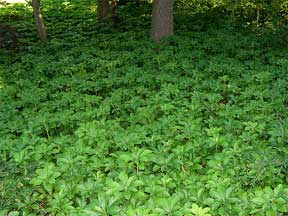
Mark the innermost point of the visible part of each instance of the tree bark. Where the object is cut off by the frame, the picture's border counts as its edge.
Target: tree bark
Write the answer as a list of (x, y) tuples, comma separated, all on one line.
[(103, 10), (162, 19), (107, 10), (38, 20)]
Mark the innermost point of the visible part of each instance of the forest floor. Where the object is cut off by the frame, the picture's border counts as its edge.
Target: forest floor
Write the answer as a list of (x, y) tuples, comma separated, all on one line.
[(101, 121)]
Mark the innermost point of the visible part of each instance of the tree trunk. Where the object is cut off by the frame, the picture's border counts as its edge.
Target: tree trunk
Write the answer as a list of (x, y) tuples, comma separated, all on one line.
[(107, 10), (38, 19), (162, 19), (103, 10)]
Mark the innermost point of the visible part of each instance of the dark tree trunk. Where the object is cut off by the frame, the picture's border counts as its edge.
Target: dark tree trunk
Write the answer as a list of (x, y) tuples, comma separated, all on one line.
[(9, 37), (162, 19), (107, 11), (104, 10), (38, 19)]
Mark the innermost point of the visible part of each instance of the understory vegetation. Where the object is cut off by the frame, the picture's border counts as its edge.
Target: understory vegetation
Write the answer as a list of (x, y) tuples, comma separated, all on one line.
[(99, 120)]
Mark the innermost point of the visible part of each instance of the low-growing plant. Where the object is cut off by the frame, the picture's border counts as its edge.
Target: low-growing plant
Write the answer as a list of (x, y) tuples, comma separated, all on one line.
[(101, 121)]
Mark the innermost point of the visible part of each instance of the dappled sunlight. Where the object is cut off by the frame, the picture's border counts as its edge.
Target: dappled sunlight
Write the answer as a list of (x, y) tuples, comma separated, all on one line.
[(1, 83), (7, 3)]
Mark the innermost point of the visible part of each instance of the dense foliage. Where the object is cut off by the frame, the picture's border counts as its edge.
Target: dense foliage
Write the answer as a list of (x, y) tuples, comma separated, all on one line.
[(101, 121)]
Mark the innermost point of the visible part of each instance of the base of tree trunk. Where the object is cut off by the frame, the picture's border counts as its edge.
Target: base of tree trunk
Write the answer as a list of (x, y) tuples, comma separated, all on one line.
[(162, 19)]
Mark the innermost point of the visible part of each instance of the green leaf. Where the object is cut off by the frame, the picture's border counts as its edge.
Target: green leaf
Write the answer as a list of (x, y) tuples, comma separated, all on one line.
[(13, 213), (270, 212), (259, 201)]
